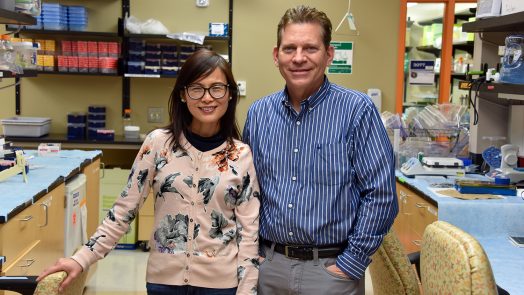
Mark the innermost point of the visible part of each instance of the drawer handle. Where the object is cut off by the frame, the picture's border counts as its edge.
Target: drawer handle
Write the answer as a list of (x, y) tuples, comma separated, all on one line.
[(417, 242), (46, 214), (28, 263), (27, 218), (103, 167), (421, 205)]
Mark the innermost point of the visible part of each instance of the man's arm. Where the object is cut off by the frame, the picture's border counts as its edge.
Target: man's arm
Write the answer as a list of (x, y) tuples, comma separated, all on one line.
[(374, 167)]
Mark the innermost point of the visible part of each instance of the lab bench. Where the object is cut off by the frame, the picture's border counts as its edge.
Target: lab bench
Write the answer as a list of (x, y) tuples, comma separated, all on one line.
[(117, 153), (32, 214), (490, 221)]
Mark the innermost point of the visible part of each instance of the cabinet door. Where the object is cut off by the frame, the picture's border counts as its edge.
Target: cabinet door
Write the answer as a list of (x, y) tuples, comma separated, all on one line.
[(92, 172), (146, 218), (414, 215), (39, 235)]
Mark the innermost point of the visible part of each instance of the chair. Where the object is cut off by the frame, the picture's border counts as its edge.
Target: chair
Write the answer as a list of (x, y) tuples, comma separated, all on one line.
[(391, 271), (453, 262), (48, 286)]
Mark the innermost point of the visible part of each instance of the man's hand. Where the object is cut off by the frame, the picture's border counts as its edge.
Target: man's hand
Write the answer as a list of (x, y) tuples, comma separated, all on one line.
[(334, 269), (70, 266)]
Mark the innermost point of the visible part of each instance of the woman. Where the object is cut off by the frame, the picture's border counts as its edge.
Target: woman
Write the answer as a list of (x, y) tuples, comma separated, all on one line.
[(205, 189)]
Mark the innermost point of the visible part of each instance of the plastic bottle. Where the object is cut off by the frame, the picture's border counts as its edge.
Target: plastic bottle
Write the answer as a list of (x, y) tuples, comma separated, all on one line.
[(126, 120), (7, 55)]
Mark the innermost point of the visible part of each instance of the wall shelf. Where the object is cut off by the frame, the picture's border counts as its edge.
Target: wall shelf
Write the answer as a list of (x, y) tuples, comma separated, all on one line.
[(506, 23), (67, 33), (77, 73), (16, 18), (149, 76), (27, 73)]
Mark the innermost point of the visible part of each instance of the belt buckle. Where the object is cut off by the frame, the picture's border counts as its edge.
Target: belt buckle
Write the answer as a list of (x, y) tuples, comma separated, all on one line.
[(286, 251)]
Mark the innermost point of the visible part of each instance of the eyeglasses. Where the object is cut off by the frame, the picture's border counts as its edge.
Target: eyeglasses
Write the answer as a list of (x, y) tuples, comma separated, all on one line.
[(216, 91)]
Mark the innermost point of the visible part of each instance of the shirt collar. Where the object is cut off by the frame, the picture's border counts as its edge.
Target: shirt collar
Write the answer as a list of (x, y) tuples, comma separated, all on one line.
[(312, 101)]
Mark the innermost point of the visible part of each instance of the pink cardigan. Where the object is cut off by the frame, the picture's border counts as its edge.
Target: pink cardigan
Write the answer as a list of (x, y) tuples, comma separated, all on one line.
[(206, 215)]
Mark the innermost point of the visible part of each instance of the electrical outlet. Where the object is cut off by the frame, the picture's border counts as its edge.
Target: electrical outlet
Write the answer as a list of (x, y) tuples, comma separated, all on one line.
[(202, 3), (155, 115), (242, 88)]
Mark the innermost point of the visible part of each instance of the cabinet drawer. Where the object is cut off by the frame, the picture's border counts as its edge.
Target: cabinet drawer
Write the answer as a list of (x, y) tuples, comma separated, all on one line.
[(28, 263), (19, 232), (423, 213)]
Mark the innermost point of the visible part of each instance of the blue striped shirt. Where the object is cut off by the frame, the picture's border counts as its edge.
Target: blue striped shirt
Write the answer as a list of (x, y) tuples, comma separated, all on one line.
[(326, 173)]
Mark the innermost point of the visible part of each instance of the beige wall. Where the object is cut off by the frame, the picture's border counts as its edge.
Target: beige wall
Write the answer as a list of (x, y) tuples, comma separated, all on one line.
[(254, 35)]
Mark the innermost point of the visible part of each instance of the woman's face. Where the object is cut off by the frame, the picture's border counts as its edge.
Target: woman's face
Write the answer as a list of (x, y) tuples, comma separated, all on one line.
[(209, 108)]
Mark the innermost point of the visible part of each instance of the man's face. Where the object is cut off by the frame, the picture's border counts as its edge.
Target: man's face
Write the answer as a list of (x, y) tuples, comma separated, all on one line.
[(302, 57)]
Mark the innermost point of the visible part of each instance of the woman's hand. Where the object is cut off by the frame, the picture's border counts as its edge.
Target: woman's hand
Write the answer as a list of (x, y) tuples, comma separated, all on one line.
[(70, 266)]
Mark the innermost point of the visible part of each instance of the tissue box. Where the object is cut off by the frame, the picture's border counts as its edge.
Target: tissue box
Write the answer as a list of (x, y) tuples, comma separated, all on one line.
[(48, 149), (511, 6)]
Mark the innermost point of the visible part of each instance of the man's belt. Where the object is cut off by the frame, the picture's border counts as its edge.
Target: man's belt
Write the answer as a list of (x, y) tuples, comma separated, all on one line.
[(305, 252)]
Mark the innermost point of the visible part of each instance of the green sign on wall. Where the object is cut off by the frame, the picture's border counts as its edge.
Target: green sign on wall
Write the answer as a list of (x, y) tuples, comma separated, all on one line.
[(343, 59)]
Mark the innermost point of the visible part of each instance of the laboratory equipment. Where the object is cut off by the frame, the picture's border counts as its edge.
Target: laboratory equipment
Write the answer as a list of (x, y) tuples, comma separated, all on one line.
[(19, 167), (508, 166), (512, 70), (485, 187), (433, 166)]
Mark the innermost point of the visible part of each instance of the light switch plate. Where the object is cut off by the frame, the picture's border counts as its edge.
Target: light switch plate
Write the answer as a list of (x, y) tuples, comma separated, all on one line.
[(155, 115), (202, 3), (242, 88)]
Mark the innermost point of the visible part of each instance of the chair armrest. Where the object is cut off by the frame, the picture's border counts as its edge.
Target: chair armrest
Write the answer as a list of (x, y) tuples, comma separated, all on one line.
[(414, 258), (25, 285)]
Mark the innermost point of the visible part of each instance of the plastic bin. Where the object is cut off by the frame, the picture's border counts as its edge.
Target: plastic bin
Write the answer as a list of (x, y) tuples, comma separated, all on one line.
[(26, 126)]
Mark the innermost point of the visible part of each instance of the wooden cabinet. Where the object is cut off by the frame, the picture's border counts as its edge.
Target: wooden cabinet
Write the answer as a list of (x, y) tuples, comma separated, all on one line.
[(415, 213), (92, 172), (146, 221), (34, 238)]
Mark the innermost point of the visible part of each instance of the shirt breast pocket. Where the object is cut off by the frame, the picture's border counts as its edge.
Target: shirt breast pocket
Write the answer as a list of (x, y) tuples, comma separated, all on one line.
[(332, 164)]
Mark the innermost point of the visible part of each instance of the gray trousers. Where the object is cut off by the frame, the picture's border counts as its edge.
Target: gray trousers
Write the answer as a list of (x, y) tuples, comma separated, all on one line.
[(281, 275)]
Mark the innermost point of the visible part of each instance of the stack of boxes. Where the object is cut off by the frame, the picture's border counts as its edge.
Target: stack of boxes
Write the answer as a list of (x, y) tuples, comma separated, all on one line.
[(76, 18), (156, 58), (54, 16), (96, 120), (89, 57), (136, 56), (169, 65), (76, 126), (153, 57)]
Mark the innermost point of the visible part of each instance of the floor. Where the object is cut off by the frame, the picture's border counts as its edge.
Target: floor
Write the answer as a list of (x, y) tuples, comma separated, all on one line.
[(123, 272)]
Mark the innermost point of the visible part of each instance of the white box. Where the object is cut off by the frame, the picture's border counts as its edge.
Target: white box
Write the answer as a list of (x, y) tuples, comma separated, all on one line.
[(26, 126), (488, 8), (511, 6)]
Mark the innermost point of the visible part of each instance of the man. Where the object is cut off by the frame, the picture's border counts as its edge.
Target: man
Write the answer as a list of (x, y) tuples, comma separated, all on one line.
[(325, 167)]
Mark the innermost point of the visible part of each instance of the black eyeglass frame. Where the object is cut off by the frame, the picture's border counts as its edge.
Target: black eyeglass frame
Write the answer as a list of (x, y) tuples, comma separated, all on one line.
[(208, 91)]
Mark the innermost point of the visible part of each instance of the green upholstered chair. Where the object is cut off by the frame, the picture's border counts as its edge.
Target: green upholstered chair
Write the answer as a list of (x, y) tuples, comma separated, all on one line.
[(48, 286), (391, 271), (453, 262)]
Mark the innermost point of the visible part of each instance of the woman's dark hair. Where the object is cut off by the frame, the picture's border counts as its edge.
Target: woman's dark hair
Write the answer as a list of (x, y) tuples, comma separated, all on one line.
[(200, 65)]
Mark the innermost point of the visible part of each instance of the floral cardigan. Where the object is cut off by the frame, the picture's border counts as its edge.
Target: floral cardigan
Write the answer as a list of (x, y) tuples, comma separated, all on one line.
[(206, 215)]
